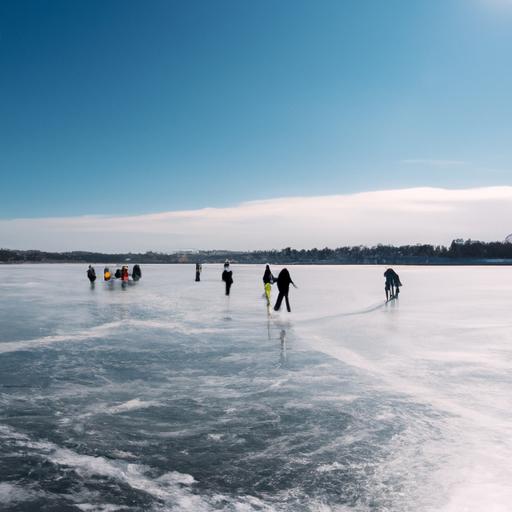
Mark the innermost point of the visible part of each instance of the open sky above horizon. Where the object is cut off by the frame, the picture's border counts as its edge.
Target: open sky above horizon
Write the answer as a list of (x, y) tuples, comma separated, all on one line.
[(124, 108)]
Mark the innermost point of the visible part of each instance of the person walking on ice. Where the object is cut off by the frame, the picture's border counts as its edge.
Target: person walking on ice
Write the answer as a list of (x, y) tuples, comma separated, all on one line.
[(392, 284), (136, 272), (91, 274), (268, 281), (227, 277), (283, 285)]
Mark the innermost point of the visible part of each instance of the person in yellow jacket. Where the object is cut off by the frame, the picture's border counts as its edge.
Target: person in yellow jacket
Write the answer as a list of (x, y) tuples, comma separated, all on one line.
[(107, 276), (268, 280)]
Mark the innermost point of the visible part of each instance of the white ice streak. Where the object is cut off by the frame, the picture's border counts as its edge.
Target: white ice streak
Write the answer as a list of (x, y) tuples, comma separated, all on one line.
[(100, 331), (170, 487), (103, 507), (12, 493), (173, 489), (133, 405), (44, 341)]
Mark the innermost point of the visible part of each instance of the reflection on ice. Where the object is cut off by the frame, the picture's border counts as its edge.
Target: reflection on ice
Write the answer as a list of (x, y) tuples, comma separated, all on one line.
[(282, 337)]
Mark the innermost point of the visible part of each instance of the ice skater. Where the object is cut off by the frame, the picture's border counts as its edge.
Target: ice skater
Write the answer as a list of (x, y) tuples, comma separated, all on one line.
[(199, 269), (391, 281), (136, 272), (268, 281), (91, 274), (283, 285), (227, 277)]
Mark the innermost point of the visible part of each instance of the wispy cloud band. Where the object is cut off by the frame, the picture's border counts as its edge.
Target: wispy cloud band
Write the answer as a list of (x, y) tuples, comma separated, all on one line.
[(426, 215)]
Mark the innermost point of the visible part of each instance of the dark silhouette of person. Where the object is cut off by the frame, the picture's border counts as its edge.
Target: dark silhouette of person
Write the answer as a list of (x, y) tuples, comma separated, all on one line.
[(268, 281), (397, 283), (283, 285), (117, 274), (199, 269), (392, 280), (227, 277), (91, 274), (136, 272), (107, 276)]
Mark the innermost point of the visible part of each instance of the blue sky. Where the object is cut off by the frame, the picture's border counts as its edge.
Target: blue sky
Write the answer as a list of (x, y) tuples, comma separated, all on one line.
[(124, 107)]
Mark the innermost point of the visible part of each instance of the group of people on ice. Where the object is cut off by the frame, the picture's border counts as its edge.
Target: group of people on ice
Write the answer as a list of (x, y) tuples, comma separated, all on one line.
[(120, 273), (283, 281), (392, 281)]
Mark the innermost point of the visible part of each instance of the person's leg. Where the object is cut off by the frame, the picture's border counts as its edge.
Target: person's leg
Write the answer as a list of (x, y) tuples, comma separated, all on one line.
[(287, 303), (228, 286), (278, 302), (268, 287)]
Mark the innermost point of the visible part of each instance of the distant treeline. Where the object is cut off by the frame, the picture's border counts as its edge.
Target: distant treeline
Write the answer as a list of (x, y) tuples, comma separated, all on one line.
[(459, 252)]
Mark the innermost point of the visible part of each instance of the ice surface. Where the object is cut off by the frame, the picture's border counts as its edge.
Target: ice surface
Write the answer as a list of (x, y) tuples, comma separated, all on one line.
[(166, 395)]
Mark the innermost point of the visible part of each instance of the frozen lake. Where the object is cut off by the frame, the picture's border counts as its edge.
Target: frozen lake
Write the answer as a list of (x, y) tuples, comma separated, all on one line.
[(165, 395)]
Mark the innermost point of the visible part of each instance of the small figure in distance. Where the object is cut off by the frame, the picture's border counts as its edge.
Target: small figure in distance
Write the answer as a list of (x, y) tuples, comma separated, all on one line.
[(107, 276), (91, 274), (283, 285), (124, 274), (227, 277), (117, 275), (136, 272), (391, 281), (268, 281), (199, 269)]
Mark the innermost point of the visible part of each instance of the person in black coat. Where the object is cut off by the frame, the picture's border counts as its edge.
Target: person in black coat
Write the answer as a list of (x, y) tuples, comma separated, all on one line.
[(91, 274), (136, 272), (283, 285), (227, 277), (392, 284)]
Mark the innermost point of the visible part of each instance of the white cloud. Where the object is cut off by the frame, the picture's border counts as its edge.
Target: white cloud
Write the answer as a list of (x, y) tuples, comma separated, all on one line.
[(429, 215)]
